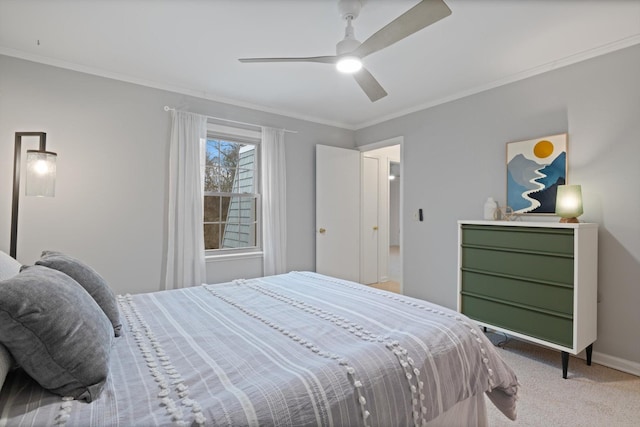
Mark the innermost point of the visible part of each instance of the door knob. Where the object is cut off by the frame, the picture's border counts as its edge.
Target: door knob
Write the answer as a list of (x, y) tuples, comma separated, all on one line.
[(322, 231), (375, 228)]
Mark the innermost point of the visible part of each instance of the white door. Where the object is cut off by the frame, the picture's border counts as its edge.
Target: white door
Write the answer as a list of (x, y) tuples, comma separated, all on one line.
[(338, 212), (370, 220)]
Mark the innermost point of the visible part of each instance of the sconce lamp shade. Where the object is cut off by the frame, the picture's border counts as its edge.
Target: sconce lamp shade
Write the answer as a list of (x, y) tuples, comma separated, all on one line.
[(41, 173), (569, 203), (40, 176)]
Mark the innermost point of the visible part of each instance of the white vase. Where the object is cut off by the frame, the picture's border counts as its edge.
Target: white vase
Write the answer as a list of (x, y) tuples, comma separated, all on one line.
[(490, 207)]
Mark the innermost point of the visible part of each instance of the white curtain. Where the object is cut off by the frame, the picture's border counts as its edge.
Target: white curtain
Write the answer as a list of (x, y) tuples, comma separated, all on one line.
[(274, 201), (185, 249)]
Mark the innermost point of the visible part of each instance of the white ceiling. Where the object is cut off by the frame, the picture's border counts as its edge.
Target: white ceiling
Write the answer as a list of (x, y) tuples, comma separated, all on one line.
[(192, 46)]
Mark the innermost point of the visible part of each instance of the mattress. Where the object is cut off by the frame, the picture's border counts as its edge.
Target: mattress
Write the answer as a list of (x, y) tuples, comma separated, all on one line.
[(299, 349)]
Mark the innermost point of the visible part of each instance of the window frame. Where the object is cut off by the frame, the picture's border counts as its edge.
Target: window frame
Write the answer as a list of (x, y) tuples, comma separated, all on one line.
[(246, 137)]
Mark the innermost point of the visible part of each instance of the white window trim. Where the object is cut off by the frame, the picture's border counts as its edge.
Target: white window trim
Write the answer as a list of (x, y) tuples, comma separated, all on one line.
[(233, 256), (253, 137), (239, 133)]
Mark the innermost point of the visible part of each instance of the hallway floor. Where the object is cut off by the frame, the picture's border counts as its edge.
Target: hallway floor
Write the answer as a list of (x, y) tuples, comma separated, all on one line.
[(390, 286), (395, 273)]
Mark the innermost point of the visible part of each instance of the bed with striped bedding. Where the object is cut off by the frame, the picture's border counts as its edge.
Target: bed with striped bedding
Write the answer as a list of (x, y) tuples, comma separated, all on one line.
[(299, 349)]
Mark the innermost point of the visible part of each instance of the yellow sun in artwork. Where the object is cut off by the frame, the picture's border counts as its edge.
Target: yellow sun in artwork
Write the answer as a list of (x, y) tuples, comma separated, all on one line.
[(543, 149)]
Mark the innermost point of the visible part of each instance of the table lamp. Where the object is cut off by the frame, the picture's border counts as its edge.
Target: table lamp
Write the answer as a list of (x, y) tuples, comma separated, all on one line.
[(569, 203)]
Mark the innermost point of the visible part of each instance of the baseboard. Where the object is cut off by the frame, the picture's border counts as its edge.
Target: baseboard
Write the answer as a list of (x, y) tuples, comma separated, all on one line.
[(607, 360), (616, 363), (612, 362)]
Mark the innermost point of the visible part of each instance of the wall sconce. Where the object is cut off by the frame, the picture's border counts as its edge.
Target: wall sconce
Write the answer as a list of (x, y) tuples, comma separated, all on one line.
[(40, 178), (569, 203)]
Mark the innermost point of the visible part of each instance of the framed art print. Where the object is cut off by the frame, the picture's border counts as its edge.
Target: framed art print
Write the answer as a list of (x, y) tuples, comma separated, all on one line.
[(535, 168)]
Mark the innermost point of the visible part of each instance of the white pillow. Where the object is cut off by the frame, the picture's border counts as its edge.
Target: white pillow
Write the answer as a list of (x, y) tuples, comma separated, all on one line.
[(9, 267), (6, 362)]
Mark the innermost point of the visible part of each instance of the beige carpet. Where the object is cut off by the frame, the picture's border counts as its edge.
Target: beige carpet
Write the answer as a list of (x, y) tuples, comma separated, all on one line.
[(590, 396)]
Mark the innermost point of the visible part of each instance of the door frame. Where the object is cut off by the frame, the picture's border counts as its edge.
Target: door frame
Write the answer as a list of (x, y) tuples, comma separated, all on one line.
[(398, 140), (371, 193)]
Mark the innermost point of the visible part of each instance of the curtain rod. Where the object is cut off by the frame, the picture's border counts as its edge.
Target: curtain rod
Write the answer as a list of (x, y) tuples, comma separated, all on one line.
[(167, 108)]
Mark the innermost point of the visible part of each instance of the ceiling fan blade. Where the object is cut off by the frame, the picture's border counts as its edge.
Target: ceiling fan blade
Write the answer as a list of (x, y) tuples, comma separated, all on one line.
[(369, 85), (321, 59), (418, 17)]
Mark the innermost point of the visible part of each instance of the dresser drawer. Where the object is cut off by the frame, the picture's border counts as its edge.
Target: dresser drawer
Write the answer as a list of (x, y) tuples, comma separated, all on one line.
[(534, 239), (538, 324), (533, 266), (556, 298)]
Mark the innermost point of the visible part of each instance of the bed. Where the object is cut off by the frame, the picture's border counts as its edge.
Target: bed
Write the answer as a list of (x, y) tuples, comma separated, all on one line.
[(298, 349)]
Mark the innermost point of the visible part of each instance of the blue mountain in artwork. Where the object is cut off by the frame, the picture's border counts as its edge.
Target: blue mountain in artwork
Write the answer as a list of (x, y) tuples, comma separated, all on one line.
[(514, 194), (554, 172), (547, 197), (520, 171)]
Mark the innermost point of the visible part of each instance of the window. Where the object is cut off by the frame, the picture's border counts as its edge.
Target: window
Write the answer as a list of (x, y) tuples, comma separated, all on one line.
[(231, 195)]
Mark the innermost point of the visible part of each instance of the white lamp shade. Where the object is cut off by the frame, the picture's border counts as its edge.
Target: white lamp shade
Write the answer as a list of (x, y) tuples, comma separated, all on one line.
[(41, 173), (569, 201)]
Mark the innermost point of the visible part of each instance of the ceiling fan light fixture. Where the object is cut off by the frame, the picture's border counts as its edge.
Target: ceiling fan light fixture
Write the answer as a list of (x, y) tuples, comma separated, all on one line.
[(349, 64), (350, 51)]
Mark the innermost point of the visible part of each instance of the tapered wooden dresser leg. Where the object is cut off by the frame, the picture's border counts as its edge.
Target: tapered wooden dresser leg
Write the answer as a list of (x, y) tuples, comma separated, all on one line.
[(589, 352)]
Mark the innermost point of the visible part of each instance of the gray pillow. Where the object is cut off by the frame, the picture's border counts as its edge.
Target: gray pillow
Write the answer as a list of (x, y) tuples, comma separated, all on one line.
[(89, 279), (56, 332)]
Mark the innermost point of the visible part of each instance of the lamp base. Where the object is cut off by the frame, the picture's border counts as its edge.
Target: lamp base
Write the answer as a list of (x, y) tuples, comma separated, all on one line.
[(572, 220)]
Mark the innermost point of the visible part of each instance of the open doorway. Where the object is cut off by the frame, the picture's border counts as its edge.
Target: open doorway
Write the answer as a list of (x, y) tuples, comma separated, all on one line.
[(387, 256), (395, 272)]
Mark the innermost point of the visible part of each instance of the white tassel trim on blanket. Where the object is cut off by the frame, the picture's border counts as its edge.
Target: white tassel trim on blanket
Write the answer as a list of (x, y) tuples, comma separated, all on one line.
[(160, 367)]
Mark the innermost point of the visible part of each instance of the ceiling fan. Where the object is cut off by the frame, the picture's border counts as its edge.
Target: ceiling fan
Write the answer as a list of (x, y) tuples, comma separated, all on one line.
[(350, 52)]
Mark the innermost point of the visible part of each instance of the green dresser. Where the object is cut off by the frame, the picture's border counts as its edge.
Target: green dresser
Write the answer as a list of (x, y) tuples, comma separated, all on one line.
[(532, 280)]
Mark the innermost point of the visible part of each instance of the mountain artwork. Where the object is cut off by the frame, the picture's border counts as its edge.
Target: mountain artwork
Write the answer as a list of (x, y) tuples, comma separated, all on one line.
[(535, 168)]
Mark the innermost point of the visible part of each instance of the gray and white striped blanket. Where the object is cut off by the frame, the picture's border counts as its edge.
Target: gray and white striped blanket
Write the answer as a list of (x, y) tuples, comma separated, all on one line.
[(298, 349)]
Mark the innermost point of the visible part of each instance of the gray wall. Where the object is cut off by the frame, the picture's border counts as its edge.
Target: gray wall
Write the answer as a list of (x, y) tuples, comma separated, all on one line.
[(455, 158), (112, 143)]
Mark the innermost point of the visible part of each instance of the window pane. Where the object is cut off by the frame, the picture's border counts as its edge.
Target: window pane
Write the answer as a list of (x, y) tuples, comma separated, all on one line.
[(245, 181), (239, 236), (242, 210), (213, 179), (226, 178), (247, 210), (229, 153), (231, 237), (230, 167), (225, 202), (212, 236), (213, 152), (247, 157), (212, 208)]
